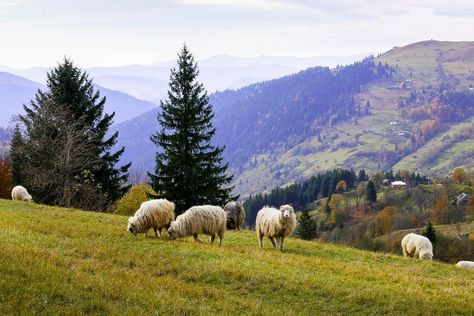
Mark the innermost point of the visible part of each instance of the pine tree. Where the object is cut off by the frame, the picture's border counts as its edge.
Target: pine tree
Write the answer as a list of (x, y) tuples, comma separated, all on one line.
[(189, 169), (68, 121), (430, 233), (371, 194), (17, 156), (306, 226), (72, 87)]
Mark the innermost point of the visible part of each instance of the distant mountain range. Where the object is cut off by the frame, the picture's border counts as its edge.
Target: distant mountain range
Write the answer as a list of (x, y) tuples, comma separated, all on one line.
[(16, 91), (149, 82)]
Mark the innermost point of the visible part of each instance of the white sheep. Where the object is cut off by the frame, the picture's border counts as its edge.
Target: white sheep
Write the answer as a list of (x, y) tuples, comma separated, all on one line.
[(466, 264), (19, 193), (156, 214), (204, 219), (274, 223), (414, 245), (235, 215)]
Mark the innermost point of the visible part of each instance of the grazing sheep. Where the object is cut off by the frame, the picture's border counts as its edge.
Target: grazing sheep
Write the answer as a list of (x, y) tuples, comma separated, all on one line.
[(155, 214), (204, 219), (273, 223), (414, 245), (466, 264), (235, 215), (19, 193)]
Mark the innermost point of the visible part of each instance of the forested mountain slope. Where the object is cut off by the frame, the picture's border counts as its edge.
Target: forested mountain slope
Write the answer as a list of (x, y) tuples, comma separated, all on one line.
[(377, 114)]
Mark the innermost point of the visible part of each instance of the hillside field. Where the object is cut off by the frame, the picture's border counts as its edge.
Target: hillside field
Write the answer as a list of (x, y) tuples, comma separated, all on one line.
[(61, 261)]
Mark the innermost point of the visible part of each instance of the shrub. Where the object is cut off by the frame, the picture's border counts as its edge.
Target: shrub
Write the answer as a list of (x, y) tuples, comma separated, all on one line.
[(452, 250), (131, 201)]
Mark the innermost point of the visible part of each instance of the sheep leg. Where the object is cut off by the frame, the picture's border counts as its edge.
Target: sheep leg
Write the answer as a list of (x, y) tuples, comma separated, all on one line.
[(272, 239), (260, 239), (281, 244), (156, 233), (221, 236), (213, 236), (196, 239)]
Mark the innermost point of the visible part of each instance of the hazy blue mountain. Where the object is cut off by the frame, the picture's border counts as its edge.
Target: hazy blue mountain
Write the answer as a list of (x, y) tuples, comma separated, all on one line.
[(144, 88), (4, 135), (16, 91), (218, 73)]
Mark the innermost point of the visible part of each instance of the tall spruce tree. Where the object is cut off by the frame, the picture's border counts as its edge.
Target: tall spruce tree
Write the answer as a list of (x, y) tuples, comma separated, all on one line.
[(71, 113), (371, 193), (189, 169), (306, 226), (430, 233), (17, 156)]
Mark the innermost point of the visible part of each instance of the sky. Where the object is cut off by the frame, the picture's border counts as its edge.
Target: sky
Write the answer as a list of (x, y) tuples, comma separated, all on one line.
[(121, 32)]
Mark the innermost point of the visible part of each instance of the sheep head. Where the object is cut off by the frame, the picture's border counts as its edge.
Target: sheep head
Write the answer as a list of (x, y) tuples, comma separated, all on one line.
[(172, 234), (286, 212), (131, 226), (426, 256)]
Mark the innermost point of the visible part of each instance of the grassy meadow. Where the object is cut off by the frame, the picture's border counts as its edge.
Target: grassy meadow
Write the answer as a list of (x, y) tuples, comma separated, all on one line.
[(61, 261)]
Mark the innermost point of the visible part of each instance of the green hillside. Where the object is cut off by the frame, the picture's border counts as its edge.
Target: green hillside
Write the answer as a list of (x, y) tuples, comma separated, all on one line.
[(60, 261), (384, 139)]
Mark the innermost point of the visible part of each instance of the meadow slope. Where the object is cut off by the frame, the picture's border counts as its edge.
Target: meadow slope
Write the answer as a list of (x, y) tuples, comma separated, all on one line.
[(56, 260)]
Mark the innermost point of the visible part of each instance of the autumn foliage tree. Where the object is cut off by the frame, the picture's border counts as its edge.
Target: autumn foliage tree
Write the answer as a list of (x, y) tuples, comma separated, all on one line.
[(6, 177), (459, 176), (341, 186), (440, 211), (384, 220)]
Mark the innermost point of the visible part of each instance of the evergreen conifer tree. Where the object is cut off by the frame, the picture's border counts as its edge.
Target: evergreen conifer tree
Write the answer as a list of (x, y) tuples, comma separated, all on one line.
[(306, 226), (17, 157), (371, 193), (430, 233), (189, 169), (68, 121)]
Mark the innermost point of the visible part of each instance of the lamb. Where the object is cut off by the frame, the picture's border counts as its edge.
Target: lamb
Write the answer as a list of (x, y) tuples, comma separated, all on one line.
[(204, 219), (466, 264), (272, 223), (19, 193), (155, 214), (414, 245), (235, 215)]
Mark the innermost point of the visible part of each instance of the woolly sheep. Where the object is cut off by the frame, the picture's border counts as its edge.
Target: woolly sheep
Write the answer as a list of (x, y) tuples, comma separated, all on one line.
[(272, 223), (204, 219), (19, 193), (235, 215), (466, 264), (155, 214), (414, 245)]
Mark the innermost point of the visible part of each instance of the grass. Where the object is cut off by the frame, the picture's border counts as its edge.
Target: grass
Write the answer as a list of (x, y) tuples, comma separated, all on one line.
[(444, 150), (60, 261), (450, 230)]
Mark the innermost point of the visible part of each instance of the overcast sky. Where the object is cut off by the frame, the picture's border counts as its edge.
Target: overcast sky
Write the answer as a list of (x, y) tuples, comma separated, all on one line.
[(121, 32)]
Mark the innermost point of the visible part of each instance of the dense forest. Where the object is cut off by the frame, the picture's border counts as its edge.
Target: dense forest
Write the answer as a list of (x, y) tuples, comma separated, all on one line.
[(321, 186), (289, 109)]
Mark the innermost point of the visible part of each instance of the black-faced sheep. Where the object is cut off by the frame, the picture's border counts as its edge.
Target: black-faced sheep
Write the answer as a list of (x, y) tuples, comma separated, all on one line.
[(466, 264), (204, 219), (19, 193), (275, 223), (235, 215), (156, 214), (417, 246)]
